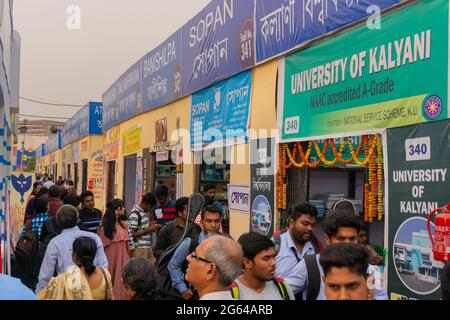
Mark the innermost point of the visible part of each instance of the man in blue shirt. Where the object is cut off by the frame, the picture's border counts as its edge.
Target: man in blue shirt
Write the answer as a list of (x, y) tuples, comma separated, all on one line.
[(294, 244), (211, 222), (58, 255), (14, 289), (209, 193), (339, 227)]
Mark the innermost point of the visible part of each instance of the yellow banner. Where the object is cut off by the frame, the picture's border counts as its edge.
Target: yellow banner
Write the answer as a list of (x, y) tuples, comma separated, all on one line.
[(132, 140)]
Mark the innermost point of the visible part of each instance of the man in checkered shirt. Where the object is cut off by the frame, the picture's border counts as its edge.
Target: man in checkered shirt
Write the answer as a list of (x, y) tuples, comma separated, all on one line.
[(39, 217)]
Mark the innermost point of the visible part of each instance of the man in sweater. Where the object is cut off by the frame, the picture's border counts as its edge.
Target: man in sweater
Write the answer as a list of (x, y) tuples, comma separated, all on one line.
[(54, 201)]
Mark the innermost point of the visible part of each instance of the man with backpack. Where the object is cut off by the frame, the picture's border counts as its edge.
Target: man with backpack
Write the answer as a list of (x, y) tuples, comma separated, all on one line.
[(172, 231), (296, 243), (211, 223), (258, 282), (140, 227), (306, 277)]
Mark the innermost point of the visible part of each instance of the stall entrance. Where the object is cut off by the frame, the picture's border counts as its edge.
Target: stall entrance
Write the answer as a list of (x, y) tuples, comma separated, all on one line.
[(111, 182), (129, 182), (84, 176)]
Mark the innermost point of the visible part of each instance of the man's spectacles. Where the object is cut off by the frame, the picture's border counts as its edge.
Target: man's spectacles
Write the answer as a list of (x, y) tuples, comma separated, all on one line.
[(193, 255)]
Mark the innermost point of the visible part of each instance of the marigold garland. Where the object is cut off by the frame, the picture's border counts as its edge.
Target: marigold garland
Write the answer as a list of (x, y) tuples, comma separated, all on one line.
[(373, 161)]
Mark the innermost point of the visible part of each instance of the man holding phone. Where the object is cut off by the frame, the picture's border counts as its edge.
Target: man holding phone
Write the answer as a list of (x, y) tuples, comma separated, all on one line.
[(140, 227)]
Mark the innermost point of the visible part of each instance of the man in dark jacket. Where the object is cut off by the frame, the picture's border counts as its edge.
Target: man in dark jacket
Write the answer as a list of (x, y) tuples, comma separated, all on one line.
[(172, 231)]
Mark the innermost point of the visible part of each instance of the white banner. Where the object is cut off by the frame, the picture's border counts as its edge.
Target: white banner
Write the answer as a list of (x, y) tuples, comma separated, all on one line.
[(239, 198)]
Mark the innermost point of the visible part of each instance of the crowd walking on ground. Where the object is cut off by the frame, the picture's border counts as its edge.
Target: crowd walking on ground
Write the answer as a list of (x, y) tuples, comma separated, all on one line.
[(71, 250)]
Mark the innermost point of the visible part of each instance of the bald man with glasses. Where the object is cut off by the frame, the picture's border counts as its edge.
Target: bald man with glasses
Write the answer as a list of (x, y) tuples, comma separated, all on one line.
[(213, 266)]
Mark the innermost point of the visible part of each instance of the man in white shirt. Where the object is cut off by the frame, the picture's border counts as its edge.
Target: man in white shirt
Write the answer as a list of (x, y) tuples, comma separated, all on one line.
[(258, 282), (213, 266)]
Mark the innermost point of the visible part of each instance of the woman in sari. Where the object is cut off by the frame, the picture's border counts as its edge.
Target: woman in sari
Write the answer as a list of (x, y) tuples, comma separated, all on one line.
[(114, 234), (83, 281)]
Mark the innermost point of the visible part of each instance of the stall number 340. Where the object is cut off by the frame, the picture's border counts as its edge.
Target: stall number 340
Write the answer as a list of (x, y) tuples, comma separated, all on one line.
[(418, 149)]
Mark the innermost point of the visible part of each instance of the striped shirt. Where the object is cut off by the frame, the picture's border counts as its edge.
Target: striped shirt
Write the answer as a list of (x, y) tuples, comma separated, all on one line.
[(144, 241), (165, 214), (91, 219)]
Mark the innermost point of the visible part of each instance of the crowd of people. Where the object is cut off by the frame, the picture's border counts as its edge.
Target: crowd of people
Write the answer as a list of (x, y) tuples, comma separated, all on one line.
[(76, 252)]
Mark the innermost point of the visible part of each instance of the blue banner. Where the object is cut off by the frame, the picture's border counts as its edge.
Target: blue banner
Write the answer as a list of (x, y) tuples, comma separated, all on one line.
[(129, 98), (283, 24), (221, 112), (42, 150), (217, 43), (53, 143), (85, 122), (76, 127), (161, 73), (95, 117), (110, 107)]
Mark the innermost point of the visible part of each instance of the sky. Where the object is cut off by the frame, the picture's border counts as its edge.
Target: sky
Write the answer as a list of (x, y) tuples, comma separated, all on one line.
[(74, 66)]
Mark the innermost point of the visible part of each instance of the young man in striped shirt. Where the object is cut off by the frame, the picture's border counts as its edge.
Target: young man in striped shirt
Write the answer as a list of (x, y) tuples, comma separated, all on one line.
[(89, 215), (165, 209), (140, 227)]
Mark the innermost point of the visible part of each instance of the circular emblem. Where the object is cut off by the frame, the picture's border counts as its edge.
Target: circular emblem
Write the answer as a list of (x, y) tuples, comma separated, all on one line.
[(432, 107)]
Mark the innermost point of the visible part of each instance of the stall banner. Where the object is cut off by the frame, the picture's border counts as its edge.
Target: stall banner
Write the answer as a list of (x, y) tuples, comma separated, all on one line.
[(129, 98), (262, 189), (239, 198), (110, 107), (161, 73), (69, 154), (161, 141), (377, 82), (217, 43), (132, 140), (22, 186), (139, 181), (221, 112), (76, 152), (111, 144), (418, 182), (96, 175), (284, 24), (53, 143), (76, 127), (95, 118)]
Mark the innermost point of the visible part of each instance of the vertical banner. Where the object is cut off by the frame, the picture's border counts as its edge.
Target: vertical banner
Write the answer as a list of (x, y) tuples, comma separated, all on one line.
[(419, 182), (22, 186), (161, 73), (111, 144), (262, 190), (95, 117), (281, 25), (96, 177), (139, 181), (337, 88), (217, 43)]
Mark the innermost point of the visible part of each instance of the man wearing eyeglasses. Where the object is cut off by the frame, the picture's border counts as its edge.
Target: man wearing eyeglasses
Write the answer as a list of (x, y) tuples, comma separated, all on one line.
[(213, 266), (211, 223)]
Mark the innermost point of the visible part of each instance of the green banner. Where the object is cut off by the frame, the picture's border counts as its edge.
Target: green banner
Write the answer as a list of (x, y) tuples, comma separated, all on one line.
[(419, 180), (364, 79)]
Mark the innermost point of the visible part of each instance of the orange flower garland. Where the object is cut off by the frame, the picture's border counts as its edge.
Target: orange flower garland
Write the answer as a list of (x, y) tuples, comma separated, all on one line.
[(373, 154)]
